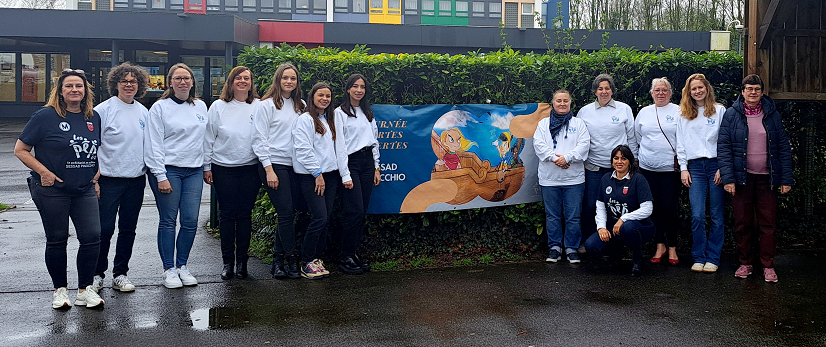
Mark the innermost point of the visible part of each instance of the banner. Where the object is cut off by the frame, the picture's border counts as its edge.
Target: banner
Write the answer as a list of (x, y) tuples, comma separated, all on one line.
[(451, 157)]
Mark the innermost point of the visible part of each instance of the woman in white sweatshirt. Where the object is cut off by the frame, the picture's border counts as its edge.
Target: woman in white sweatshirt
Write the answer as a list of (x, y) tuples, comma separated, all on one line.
[(122, 170), (272, 143), (232, 168), (697, 132), (175, 157), (561, 142), (357, 152), (315, 163)]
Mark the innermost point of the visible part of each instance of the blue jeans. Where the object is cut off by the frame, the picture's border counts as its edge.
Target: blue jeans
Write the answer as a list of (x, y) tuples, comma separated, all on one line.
[(593, 181), (563, 201), (633, 234), (706, 249), (184, 198)]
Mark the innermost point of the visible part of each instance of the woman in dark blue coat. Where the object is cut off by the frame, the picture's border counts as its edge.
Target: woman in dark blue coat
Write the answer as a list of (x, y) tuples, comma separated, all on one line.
[(755, 164)]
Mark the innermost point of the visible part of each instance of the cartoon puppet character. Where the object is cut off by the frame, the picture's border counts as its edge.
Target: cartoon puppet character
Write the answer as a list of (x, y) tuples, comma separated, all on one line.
[(453, 141), (503, 145)]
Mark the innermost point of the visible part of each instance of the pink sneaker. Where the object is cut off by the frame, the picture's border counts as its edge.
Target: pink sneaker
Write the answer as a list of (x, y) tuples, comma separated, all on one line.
[(743, 271), (770, 275)]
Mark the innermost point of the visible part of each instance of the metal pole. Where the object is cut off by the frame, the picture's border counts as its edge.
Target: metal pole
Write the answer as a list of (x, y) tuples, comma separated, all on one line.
[(115, 53)]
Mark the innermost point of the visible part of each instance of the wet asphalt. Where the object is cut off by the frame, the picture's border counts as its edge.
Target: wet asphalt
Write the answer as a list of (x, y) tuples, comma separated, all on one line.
[(514, 304)]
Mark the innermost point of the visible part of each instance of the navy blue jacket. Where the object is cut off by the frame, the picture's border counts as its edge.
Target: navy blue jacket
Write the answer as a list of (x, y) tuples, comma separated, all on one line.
[(733, 138)]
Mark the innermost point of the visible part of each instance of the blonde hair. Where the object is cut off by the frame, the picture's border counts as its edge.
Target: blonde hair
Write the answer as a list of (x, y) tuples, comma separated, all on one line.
[(227, 94), (688, 107), (464, 143), (56, 96)]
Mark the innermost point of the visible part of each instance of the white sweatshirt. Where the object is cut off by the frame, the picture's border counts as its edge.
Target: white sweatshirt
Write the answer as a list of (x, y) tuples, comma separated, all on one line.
[(121, 138), (272, 140), (353, 134), (656, 153), (314, 153), (228, 139), (175, 136), (697, 138), (609, 127), (574, 148)]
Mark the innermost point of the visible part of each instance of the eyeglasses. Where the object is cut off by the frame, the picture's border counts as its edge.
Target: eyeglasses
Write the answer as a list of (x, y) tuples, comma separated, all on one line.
[(751, 89), (181, 79), (128, 82), (661, 91), (76, 71)]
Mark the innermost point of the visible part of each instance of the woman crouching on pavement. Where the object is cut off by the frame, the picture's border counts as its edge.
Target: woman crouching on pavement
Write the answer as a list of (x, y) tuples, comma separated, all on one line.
[(315, 163), (65, 135), (624, 204)]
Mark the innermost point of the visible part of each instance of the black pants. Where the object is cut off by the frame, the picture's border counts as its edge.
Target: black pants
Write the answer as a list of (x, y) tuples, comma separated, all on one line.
[(321, 208), (284, 199), (633, 234), (593, 180), (362, 171), (237, 188), (121, 199), (665, 189), (55, 207)]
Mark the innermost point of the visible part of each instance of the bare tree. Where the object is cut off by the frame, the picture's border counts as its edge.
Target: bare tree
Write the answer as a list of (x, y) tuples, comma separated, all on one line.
[(45, 4)]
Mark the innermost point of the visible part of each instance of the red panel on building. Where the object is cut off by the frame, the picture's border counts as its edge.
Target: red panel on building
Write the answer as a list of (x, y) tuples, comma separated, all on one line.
[(291, 32), (194, 6)]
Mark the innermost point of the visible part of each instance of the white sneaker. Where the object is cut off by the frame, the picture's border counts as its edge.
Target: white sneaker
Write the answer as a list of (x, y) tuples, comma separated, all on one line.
[(186, 278), (88, 298), (709, 267), (123, 284), (97, 283), (60, 298), (171, 280), (697, 267)]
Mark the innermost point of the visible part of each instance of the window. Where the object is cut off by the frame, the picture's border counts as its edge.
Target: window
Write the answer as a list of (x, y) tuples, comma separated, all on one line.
[(34, 77), (494, 10), (444, 8), (231, 5), (302, 6), (320, 6), (250, 5), (101, 55), (341, 6), (394, 5), (151, 57), (527, 16), (410, 6), (461, 8), (359, 6), (285, 6), (428, 7), (376, 6), (138, 4), (176, 4), (59, 62), (121, 3), (266, 6), (159, 4), (478, 9), (8, 65), (102, 5), (84, 5), (213, 5)]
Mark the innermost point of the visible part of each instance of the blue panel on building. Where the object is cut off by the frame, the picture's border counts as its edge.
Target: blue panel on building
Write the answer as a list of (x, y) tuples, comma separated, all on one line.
[(351, 17), (557, 13), (310, 17)]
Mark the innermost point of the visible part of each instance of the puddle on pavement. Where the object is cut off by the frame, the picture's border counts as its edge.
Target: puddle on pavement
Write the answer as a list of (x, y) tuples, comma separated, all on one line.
[(608, 298), (219, 318)]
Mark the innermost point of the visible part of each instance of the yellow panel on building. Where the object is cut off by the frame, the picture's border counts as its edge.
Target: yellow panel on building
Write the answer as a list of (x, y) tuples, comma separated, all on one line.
[(386, 11)]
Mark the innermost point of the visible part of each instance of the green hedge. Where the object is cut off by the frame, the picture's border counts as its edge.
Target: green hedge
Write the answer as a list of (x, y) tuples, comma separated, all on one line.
[(508, 77)]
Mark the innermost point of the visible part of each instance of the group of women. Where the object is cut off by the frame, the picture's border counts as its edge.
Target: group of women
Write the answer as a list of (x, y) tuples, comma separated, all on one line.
[(626, 172), (90, 164)]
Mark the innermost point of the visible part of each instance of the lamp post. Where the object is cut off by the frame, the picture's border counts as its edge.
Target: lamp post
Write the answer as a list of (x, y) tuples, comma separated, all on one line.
[(739, 28)]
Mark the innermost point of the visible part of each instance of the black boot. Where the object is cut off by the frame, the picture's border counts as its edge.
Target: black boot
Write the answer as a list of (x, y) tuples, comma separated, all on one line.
[(241, 271), (227, 273), (636, 271), (348, 265), (364, 266), (277, 269), (292, 267)]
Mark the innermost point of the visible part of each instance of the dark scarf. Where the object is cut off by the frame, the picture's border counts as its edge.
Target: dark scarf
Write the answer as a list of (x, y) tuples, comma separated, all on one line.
[(556, 121)]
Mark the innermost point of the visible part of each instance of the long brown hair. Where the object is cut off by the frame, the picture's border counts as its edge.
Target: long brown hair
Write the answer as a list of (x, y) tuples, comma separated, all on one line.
[(169, 92), (365, 101), (227, 94), (688, 107), (275, 89), (314, 112), (56, 96)]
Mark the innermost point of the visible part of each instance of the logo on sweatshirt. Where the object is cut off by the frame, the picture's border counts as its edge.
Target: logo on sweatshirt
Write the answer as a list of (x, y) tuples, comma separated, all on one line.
[(614, 119), (624, 190), (64, 126), (200, 117), (143, 125), (571, 129), (608, 190), (710, 121), (669, 118), (90, 126)]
